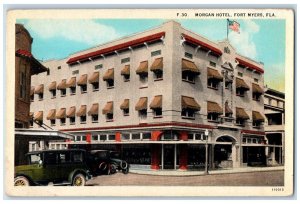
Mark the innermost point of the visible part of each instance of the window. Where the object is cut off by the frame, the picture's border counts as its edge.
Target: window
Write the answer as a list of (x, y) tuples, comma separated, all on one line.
[(125, 136), (244, 140), (78, 138), (52, 122), (50, 158), (32, 97), (59, 67), (256, 80), (126, 77), (77, 157), (41, 96), (146, 136), (83, 88), (240, 122), (158, 74), (63, 92), (155, 53), (64, 157), (256, 124), (109, 116), (73, 90), (190, 136), (240, 92), (157, 112), (126, 112), (199, 136), (143, 114), (95, 86), (83, 119), (188, 55), (94, 118), (75, 72), (270, 101), (98, 66), (256, 96), (213, 64), (136, 136), (188, 76), (34, 158), (144, 80), (62, 121), (248, 140), (212, 83), (95, 137), (124, 60), (213, 117), (111, 137), (102, 137), (240, 74), (72, 120), (228, 115), (188, 113), (228, 85), (110, 83), (53, 93), (84, 138)]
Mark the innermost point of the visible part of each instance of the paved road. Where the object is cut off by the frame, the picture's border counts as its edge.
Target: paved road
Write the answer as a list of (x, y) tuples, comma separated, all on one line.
[(269, 178)]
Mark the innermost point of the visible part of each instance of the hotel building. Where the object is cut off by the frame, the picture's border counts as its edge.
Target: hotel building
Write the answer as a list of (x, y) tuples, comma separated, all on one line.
[(166, 98)]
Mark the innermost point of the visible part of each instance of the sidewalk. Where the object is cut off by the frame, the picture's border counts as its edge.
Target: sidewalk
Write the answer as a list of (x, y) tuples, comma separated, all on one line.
[(201, 172)]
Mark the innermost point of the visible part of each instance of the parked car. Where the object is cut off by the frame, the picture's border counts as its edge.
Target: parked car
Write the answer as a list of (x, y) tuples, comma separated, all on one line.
[(106, 162), (56, 166)]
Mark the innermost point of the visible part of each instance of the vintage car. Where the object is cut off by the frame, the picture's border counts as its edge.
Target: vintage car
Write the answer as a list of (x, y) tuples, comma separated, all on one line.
[(106, 162), (66, 167)]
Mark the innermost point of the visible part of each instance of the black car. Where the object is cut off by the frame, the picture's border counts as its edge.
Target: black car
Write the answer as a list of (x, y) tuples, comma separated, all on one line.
[(106, 162)]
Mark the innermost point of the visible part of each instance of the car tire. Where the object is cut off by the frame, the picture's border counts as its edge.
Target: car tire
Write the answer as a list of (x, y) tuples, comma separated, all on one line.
[(123, 165), (78, 180), (112, 169), (21, 181), (125, 171)]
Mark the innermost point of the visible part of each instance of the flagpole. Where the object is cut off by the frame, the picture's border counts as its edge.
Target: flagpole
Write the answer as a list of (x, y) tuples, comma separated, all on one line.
[(227, 28)]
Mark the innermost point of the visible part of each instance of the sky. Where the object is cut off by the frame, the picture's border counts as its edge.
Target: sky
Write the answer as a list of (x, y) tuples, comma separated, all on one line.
[(261, 40)]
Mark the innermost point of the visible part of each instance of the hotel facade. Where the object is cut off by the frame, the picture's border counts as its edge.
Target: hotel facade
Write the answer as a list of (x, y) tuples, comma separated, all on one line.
[(165, 98)]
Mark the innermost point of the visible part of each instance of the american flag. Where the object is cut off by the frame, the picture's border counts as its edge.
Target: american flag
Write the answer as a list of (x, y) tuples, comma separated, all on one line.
[(233, 25)]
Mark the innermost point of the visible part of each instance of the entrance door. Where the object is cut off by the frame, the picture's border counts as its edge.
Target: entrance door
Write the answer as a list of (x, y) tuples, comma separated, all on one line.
[(169, 156)]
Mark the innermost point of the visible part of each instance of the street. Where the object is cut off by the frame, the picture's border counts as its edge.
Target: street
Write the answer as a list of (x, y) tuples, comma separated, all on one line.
[(266, 178)]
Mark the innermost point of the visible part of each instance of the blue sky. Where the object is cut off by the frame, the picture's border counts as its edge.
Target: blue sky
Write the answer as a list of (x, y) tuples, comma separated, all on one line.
[(261, 40)]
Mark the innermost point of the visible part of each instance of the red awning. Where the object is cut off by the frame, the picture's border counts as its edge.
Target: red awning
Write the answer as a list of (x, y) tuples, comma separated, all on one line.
[(250, 66), (121, 46), (24, 53)]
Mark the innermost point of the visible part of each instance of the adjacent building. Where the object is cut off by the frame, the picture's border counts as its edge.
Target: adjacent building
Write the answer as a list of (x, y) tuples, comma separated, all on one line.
[(166, 98), (274, 126)]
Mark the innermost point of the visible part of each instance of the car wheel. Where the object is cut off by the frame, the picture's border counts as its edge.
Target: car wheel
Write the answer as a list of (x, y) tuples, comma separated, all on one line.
[(125, 171), (112, 169), (78, 180), (21, 181), (124, 165)]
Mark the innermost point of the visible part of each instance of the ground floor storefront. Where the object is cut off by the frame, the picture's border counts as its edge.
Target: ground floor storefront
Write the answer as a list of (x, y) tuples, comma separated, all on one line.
[(195, 149)]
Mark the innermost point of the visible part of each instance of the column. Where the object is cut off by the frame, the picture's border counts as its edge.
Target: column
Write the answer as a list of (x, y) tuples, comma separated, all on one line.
[(212, 166), (183, 157), (206, 159), (273, 156)]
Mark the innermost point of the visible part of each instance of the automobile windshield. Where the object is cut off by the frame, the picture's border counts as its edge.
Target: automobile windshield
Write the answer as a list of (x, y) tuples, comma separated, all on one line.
[(34, 158)]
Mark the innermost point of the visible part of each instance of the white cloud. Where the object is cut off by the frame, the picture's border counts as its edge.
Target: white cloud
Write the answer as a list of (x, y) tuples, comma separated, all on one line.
[(243, 41), (84, 31)]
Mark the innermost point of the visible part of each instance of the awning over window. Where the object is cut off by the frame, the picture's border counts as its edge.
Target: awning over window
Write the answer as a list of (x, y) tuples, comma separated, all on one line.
[(189, 102), (52, 86), (256, 116), (141, 104), (143, 68), (38, 116), (62, 84), (241, 84), (257, 89), (51, 114), (213, 107), (125, 104), (156, 102), (241, 113), (108, 108), (126, 70), (39, 89), (109, 75), (227, 109), (94, 109), (189, 66), (157, 64), (214, 74), (32, 91), (71, 112), (82, 80), (94, 78), (71, 82), (61, 113), (81, 111)]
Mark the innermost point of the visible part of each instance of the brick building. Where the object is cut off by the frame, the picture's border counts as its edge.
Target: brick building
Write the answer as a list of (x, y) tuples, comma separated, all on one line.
[(166, 98)]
